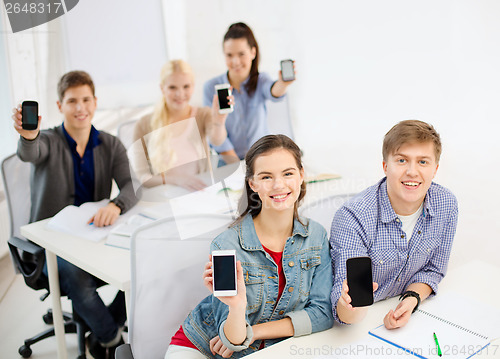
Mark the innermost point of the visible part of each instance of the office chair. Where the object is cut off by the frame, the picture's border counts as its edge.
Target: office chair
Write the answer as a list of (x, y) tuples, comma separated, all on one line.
[(27, 257), (167, 262), (324, 209)]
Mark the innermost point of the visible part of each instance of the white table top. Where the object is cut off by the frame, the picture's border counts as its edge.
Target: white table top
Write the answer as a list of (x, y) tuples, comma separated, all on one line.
[(111, 264), (475, 276)]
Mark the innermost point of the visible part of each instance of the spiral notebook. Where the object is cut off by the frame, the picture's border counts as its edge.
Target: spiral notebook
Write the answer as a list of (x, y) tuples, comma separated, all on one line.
[(463, 328)]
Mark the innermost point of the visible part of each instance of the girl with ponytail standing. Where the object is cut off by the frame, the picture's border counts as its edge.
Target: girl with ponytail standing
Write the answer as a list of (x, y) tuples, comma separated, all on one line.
[(248, 122)]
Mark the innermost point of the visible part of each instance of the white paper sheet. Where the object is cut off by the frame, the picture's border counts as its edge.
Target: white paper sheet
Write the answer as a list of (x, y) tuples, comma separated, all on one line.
[(73, 220), (463, 328)]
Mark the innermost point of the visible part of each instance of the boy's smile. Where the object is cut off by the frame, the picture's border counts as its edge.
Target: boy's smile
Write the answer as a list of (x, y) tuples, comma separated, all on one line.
[(410, 171)]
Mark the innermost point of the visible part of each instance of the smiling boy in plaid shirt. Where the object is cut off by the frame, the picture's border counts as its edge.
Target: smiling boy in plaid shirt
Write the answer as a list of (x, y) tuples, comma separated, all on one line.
[(405, 223)]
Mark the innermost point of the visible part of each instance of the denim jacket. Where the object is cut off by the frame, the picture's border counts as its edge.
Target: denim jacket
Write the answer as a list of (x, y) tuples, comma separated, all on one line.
[(305, 299)]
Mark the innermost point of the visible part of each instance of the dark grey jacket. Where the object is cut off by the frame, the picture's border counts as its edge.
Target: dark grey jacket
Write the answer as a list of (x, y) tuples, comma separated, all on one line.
[(52, 178)]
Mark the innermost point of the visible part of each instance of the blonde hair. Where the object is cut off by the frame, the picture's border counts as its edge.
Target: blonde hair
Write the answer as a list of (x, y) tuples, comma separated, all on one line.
[(162, 155)]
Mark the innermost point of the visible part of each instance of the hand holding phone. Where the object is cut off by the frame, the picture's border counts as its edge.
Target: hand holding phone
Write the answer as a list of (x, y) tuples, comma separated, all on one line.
[(30, 115), (360, 281), (287, 70), (223, 92), (17, 116), (224, 273)]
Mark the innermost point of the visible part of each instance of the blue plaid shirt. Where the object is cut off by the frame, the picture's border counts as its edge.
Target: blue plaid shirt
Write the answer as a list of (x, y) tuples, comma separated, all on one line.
[(368, 226)]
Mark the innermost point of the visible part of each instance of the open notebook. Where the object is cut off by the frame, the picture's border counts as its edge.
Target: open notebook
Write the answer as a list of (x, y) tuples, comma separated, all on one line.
[(463, 328)]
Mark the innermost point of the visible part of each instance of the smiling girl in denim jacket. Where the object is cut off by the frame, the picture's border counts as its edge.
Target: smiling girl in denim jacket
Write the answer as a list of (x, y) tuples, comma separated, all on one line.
[(284, 272)]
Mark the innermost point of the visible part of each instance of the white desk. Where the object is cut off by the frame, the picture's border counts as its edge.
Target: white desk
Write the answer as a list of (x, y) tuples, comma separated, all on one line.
[(110, 264), (475, 279)]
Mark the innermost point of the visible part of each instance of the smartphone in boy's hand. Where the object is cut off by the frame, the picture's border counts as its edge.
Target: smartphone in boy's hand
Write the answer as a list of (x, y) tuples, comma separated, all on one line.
[(360, 281), (29, 115)]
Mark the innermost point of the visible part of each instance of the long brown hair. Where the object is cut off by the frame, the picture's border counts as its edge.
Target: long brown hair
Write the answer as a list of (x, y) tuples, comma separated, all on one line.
[(241, 30), (250, 201)]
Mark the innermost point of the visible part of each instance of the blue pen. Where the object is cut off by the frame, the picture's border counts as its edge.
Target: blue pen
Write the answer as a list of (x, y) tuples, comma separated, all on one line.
[(91, 223), (145, 216)]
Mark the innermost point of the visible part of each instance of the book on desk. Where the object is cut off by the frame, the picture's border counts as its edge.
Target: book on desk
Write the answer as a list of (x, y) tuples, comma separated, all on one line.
[(213, 199)]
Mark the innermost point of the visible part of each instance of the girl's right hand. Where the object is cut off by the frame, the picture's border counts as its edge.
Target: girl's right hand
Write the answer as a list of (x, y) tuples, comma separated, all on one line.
[(218, 118), (237, 301), (18, 124)]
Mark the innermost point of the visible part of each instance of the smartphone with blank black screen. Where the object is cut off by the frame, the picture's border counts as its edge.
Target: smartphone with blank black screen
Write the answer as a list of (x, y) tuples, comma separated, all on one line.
[(223, 91), (224, 273), (29, 115), (360, 281)]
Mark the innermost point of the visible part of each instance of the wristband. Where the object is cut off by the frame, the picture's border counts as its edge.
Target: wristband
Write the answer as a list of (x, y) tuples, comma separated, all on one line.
[(410, 293)]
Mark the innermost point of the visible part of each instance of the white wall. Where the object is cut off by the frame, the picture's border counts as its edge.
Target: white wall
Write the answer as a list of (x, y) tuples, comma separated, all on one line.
[(365, 65), (376, 63)]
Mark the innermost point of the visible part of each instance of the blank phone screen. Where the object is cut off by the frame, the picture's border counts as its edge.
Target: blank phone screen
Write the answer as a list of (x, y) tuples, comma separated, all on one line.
[(222, 94), (30, 114), (223, 267), (359, 281), (287, 72)]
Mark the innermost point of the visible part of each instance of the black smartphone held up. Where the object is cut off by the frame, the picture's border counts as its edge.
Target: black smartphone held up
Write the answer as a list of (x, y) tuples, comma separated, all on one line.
[(30, 115), (360, 281), (223, 91), (287, 72), (224, 273)]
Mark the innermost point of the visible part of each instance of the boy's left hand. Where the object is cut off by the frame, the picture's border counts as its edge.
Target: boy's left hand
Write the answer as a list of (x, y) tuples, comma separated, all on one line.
[(401, 315), (106, 215)]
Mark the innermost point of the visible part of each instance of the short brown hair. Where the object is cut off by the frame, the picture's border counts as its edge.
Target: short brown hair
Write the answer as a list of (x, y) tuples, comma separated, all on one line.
[(410, 131), (74, 79)]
